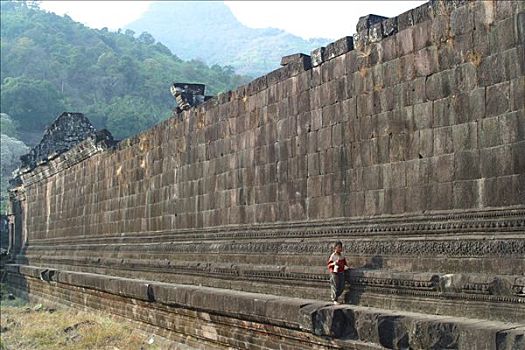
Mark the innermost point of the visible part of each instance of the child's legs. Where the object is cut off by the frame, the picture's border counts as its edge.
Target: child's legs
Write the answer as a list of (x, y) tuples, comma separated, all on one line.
[(333, 286), (340, 280)]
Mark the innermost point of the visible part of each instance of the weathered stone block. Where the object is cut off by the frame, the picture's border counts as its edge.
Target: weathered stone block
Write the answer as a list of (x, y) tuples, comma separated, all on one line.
[(368, 152), (391, 72), (502, 35), (296, 57), (465, 77), (416, 198), (465, 136), (339, 47), (337, 135), (257, 85), (372, 177), (383, 149), (440, 85), (439, 30), (319, 208), (313, 164), (517, 93), (461, 21), (389, 49), (491, 70), (489, 132), (405, 42), (422, 36), (465, 49), (426, 141), (317, 79), (328, 71), (390, 26), (442, 168), (470, 106), (375, 32), (496, 161), (514, 61), (423, 115), (329, 115), (443, 140), (405, 20), (509, 127), (314, 186), (365, 22), (498, 99), (423, 13), (317, 56), (511, 338), (374, 202), (466, 194), (444, 112), (518, 160), (408, 70), (398, 144), (500, 191), (446, 56), (440, 196), (365, 106), (467, 165)]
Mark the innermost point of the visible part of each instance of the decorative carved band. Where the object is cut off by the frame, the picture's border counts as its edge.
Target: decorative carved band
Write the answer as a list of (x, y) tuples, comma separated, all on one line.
[(451, 247), (458, 223)]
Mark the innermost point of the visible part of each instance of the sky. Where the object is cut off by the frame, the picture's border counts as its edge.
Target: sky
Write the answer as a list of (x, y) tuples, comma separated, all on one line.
[(328, 19)]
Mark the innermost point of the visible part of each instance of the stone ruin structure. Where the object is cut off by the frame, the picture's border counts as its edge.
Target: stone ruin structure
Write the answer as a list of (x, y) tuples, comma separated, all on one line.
[(405, 141), (188, 95)]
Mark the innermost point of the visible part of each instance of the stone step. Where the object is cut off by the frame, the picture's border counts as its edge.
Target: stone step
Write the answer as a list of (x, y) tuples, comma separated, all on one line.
[(343, 325), (485, 296)]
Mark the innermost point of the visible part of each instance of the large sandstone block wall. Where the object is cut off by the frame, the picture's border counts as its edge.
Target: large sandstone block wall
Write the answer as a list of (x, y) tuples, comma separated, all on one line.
[(431, 118)]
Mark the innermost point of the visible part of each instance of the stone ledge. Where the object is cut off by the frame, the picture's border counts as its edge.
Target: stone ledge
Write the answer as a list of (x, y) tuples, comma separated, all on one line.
[(509, 288), (491, 221), (343, 323)]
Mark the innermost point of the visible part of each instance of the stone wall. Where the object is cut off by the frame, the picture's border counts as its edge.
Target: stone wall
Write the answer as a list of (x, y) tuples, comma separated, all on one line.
[(428, 119), (405, 141)]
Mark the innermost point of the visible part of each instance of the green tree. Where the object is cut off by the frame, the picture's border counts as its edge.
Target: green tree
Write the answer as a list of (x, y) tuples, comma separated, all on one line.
[(129, 115), (8, 125), (51, 64), (11, 150), (32, 103)]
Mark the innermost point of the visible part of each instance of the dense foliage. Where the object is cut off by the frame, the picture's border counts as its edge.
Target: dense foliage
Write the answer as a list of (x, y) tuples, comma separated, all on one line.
[(120, 80), (11, 150), (207, 30)]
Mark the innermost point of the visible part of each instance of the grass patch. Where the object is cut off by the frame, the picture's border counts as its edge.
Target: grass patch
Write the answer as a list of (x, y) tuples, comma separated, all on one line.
[(39, 326)]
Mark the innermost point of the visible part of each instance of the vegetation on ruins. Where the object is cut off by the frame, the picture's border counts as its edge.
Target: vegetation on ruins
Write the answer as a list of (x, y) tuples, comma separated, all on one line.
[(118, 79)]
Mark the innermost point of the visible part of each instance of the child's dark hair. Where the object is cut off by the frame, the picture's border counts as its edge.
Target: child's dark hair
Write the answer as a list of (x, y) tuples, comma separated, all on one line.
[(338, 243)]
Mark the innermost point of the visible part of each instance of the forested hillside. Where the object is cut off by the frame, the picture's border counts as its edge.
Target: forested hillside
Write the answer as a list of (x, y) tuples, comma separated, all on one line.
[(120, 80), (208, 30)]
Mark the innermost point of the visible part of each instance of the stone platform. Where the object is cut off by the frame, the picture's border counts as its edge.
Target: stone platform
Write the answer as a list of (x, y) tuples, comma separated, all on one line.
[(221, 318)]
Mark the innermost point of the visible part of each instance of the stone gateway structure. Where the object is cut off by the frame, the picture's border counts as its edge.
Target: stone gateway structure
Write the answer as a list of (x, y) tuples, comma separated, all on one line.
[(212, 229)]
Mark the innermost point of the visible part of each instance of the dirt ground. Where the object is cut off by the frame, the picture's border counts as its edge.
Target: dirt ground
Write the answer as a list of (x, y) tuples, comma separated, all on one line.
[(25, 326)]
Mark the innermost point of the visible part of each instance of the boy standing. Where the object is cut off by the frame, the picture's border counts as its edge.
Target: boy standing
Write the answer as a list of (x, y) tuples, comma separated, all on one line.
[(337, 265)]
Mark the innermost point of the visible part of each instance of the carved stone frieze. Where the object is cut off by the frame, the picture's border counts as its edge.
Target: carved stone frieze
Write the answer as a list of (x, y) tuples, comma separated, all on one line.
[(451, 247), (492, 222)]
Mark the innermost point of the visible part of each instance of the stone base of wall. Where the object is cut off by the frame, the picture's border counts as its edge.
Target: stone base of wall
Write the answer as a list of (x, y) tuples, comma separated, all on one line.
[(217, 318), (450, 263)]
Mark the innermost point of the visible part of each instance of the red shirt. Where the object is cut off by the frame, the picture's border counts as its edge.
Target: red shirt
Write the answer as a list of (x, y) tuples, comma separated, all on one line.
[(336, 259)]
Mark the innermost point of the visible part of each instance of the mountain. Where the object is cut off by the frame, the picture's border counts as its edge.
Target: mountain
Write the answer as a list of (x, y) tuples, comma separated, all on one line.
[(119, 80), (208, 31)]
